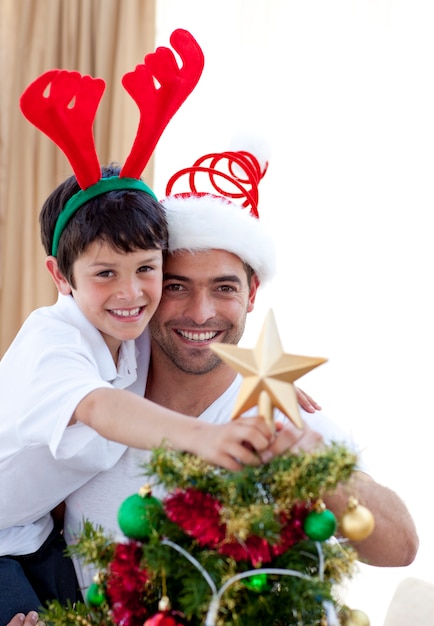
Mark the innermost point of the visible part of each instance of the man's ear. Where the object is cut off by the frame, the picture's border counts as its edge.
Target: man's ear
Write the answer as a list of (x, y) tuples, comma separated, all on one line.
[(60, 281), (254, 284)]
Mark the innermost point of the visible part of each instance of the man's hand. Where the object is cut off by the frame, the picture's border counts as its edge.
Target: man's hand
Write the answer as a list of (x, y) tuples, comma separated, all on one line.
[(291, 438), (306, 402)]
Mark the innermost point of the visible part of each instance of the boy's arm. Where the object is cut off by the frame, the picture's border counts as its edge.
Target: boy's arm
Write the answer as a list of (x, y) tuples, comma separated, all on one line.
[(122, 416)]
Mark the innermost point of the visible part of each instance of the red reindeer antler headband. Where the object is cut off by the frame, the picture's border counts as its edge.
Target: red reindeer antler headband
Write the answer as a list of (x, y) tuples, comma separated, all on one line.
[(158, 86)]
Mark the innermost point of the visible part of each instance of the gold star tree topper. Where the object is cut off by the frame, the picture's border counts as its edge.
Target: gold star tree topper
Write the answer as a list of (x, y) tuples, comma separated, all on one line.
[(268, 373)]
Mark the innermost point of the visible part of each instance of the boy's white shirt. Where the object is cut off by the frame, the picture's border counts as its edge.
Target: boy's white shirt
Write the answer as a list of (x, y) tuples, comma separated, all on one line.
[(56, 359), (99, 499)]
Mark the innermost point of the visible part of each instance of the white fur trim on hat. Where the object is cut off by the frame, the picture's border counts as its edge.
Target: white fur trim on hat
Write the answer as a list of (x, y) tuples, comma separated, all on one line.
[(210, 222)]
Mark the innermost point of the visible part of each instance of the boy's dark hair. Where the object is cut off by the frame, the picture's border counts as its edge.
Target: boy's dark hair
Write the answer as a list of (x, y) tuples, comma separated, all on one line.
[(127, 220)]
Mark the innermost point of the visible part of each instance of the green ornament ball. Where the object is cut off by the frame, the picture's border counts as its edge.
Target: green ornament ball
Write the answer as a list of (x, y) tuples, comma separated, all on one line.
[(258, 582), (95, 595), (320, 525), (138, 516)]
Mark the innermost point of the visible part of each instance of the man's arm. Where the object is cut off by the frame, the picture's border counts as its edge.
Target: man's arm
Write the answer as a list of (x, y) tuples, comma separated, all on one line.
[(394, 541)]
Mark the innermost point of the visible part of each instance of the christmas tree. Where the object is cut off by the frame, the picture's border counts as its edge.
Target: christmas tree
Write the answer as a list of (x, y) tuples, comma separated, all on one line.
[(247, 548)]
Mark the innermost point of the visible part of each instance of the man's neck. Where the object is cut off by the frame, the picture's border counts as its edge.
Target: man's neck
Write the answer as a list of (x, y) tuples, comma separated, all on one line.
[(186, 393)]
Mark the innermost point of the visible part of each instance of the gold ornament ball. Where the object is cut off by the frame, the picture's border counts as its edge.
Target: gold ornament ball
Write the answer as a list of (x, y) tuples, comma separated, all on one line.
[(357, 618), (357, 523)]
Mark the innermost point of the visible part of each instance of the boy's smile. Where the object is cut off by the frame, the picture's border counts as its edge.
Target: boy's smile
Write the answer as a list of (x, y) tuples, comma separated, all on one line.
[(118, 292)]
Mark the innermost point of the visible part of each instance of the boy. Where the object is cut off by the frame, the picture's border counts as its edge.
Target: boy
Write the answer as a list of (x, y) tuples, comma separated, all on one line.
[(72, 385)]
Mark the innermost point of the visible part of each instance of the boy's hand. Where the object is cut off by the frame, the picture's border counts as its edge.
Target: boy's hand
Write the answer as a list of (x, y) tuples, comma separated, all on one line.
[(232, 445)]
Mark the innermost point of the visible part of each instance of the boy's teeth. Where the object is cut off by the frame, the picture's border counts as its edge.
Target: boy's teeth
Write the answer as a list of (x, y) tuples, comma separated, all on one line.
[(124, 313), (197, 336)]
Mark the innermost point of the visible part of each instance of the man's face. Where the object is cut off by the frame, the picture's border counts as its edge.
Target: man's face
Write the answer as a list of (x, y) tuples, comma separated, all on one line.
[(118, 292), (206, 298)]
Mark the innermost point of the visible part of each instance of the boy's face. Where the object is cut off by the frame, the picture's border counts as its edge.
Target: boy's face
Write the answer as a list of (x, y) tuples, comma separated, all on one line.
[(118, 292), (206, 298)]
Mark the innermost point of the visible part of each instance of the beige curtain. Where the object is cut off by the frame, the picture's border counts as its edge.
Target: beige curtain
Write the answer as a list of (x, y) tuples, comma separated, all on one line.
[(104, 38)]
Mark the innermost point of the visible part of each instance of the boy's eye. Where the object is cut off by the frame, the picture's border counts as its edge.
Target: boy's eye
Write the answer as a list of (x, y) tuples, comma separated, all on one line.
[(105, 273), (145, 268)]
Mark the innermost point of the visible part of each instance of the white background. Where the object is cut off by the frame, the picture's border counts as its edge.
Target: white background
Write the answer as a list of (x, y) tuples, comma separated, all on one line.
[(342, 91)]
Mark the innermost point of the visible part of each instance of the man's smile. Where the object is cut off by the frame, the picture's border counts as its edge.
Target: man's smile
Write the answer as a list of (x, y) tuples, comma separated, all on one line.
[(197, 336)]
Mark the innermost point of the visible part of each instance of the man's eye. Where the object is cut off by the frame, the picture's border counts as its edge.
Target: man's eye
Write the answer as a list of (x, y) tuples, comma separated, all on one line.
[(174, 287), (226, 288)]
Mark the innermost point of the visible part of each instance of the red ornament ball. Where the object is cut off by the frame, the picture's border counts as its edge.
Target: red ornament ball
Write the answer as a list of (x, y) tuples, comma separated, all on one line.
[(165, 618)]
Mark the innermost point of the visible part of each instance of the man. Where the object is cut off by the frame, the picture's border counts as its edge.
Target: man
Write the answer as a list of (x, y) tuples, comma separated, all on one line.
[(184, 373), (218, 257)]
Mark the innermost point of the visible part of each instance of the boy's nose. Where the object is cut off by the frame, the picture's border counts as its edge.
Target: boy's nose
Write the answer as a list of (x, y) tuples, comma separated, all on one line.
[(130, 289)]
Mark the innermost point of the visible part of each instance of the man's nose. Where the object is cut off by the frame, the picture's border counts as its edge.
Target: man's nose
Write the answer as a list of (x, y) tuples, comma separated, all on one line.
[(200, 307)]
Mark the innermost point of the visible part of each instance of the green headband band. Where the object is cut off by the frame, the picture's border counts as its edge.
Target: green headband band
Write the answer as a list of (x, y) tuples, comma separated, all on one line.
[(104, 185)]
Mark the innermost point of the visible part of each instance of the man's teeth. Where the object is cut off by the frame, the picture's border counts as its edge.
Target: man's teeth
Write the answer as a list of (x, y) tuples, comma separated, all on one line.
[(125, 313), (197, 336)]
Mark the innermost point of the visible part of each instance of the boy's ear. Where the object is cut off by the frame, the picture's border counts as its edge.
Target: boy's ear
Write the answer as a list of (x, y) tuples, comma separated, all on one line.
[(60, 281)]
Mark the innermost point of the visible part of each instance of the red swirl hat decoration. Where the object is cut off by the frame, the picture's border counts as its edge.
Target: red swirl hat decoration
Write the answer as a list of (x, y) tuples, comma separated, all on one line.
[(225, 218), (63, 105), (240, 171)]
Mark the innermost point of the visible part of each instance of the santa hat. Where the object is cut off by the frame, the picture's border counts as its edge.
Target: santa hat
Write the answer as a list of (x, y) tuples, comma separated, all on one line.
[(226, 220)]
